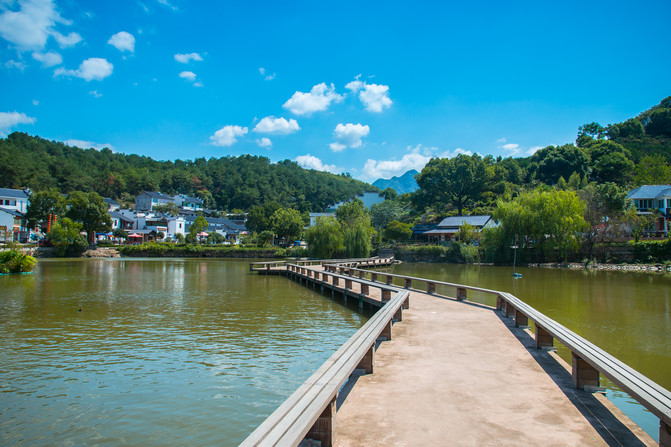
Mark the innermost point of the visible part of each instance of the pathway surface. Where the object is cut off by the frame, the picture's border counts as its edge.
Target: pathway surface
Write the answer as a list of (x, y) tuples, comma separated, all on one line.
[(455, 374)]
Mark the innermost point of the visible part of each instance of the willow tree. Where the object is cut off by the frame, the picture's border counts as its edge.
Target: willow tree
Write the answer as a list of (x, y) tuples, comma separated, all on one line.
[(357, 231), (325, 238)]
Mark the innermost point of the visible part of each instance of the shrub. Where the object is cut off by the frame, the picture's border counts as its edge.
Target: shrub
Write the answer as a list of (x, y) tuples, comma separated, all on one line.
[(11, 261)]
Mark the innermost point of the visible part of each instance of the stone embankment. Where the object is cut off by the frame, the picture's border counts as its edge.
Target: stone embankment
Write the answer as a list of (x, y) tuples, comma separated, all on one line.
[(101, 252), (660, 268)]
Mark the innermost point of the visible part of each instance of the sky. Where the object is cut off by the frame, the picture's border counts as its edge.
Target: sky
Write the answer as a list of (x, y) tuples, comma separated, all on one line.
[(372, 89)]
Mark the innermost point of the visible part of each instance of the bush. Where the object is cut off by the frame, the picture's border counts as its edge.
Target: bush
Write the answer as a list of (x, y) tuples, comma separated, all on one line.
[(11, 261)]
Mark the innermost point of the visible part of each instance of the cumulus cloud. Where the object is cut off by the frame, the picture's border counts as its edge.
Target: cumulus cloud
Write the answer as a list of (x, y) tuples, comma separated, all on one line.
[(83, 144), (277, 126), (48, 59), (123, 41), (188, 57), (94, 68), (33, 23), (12, 119), (374, 97), (70, 40), (267, 77), (514, 149), (228, 135), (264, 142), (188, 75), (95, 93), (317, 100), (311, 162), (348, 135), (375, 169), (15, 64)]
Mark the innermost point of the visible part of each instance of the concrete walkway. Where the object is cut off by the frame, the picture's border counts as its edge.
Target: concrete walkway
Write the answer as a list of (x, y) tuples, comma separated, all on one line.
[(457, 374)]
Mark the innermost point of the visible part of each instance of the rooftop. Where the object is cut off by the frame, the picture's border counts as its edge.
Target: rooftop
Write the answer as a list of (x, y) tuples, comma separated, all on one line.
[(17, 193), (457, 221), (650, 192)]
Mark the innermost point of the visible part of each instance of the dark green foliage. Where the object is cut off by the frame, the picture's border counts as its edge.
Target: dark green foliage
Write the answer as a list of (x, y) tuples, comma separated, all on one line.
[(559, 161), (652, 251), (11, 261), (90, 210), (44, 203), (227, 183)]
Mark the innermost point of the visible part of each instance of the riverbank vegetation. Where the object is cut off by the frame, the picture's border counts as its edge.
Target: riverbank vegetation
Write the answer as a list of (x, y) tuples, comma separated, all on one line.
[(165, 249), (563, 203), (12, 261)]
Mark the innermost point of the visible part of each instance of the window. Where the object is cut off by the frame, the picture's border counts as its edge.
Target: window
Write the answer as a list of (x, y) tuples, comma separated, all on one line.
[(668, 203), (644, 204)]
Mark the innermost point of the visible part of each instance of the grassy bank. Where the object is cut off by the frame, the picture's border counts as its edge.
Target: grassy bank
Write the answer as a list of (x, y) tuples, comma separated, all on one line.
[(160, 249)]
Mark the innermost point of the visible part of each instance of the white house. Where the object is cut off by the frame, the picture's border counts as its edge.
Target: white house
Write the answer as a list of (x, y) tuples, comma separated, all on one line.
[(188, 203), (146, 201), (650, 198), (449, 226), (13, 226), (14, 199)]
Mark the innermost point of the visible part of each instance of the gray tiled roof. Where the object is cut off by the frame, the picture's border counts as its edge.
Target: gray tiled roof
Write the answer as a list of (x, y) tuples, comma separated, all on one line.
[(650, 192), (18, 193), (457, 221)]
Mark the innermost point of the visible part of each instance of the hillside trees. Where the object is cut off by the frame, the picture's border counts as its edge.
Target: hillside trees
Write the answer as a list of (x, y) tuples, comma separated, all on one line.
[(90, 210)]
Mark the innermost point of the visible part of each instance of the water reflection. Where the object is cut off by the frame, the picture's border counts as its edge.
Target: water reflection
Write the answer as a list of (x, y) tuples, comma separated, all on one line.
[(162, 352)]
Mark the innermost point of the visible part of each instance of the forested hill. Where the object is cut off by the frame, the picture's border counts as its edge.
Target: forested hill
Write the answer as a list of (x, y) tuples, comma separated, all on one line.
[(225, 183)]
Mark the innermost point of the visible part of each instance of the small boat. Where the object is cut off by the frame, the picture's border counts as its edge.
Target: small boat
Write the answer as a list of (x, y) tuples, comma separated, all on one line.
[(517, 275)]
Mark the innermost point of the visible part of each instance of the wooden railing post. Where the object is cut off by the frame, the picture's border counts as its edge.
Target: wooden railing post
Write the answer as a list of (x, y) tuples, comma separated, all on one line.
[(360, 274), (367, 363), (407, 283), (583, 372), (461, 294), (520, 319), (373, 276), (430, 288), (499, 302), (386, 332), (543, 338), (398, 316), (510, 310), (348, 284), (390, 279), (406, 303), (324, 427), (365, 289), (664, 434), (386, 295)]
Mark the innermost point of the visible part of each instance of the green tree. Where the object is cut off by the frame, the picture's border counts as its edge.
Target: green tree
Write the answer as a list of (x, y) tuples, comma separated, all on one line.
[(553, 162), (65, 234), (287, 223), (383, 213), (550, 220), (614, 168), (605, 211), (42, 204), (397, 231), (653, 170), (170, 209), (265, 238), (466, 234), (354, 220), (198, 226), (259, 216), (325, 239), (659, 123), (458, 182), (90, 210)]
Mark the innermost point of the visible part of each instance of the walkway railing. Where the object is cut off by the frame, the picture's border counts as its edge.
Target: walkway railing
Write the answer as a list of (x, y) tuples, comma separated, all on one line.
[(311, 409), (588, 360)]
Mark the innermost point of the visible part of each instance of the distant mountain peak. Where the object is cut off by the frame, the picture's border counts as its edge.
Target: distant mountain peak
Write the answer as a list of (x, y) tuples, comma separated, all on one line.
[(403, 184)]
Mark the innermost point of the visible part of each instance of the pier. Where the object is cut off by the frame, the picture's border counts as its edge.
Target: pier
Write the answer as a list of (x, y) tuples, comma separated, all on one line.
[(454, 372)]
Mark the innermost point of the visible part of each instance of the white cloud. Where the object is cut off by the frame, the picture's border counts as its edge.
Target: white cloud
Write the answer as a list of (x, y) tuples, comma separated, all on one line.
[(264, 142), (454, 153), (311, 162), (374, 97), (533, 150), (83, 144), (277, 126), (501, 140), (267, 77), (168, 4), (227, 135), (70, 40), (375, 169), (348, 135), (30, 26), (48, 59), (95, 93), (188, 75), (12, 119), (15, 64), (91, 69), (36, 102), (123, 41), (188, 57), (513, 148), (319, 99)]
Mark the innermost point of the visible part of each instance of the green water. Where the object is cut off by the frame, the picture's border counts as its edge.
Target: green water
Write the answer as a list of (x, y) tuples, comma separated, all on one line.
[(163, 352), (199, 352), (627, 314)]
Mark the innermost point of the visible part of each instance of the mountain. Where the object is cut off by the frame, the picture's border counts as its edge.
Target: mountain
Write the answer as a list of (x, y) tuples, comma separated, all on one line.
[(403, 184)]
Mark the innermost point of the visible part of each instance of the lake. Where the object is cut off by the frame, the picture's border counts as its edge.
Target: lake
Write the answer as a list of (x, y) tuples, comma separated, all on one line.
[(199, 352)]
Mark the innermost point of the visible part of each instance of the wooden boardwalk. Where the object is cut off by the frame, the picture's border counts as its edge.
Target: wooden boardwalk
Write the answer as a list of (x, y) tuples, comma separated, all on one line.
[(455, 373)]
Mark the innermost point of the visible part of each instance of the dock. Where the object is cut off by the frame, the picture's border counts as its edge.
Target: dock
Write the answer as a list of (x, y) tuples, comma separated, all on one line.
[(454, 373)]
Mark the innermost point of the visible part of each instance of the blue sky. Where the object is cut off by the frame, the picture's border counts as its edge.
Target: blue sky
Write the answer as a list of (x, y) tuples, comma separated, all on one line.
[(373, 89)]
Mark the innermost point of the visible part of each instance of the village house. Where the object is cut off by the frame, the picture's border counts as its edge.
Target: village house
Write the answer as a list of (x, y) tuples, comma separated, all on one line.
[(146, 201), (448, 227), (650, 199), (13, 226), (14, 199), (188, 203)]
